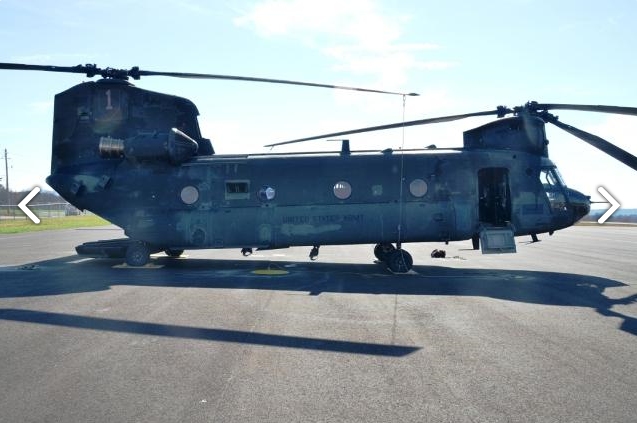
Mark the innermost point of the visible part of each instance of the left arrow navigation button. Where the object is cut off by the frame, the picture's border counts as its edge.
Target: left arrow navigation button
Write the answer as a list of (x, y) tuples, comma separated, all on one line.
[(25, 201)]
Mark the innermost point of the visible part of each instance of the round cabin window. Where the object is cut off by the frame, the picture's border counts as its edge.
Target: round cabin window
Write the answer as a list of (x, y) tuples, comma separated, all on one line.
[(342, 190), (266, 193), (418, 188), (189, 195)]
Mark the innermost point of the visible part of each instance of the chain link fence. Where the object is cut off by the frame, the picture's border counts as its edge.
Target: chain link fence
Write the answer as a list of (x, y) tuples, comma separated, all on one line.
[(43, 210)]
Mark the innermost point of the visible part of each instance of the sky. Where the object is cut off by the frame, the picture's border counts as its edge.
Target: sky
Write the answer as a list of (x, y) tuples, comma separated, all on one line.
[(460, 56)]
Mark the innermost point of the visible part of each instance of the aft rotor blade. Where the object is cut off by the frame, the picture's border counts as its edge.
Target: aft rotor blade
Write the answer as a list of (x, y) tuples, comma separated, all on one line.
[(65, 69), (499, 111), (620, 110), (599, 143), (269, 80), (89, 70)]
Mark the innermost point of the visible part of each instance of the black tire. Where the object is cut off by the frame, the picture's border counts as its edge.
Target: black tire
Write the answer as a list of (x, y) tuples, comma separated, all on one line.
[(400, 261), (174, 253), (382, 251), (137, 254)]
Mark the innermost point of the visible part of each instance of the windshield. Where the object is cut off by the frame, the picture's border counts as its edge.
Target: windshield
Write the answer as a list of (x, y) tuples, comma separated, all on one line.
[(551, 178), (554, 188)]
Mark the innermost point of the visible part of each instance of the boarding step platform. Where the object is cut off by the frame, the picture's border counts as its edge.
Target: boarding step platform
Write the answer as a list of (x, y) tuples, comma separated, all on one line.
[(497, 239)]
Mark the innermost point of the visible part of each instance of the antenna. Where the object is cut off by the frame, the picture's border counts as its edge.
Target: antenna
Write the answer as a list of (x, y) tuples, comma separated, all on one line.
[(345, 150)]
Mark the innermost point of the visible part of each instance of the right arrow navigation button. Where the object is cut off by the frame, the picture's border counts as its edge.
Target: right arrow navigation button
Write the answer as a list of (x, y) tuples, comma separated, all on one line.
[(613, 207)]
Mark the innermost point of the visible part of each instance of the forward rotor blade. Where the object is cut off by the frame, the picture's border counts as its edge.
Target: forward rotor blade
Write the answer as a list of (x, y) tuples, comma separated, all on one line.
[(620, 110), (269, 80), (135, 73), (599, 143), (499, 111)]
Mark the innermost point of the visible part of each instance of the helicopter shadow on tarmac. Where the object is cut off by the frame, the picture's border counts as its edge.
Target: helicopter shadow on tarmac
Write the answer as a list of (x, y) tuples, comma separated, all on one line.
[(70, 275)]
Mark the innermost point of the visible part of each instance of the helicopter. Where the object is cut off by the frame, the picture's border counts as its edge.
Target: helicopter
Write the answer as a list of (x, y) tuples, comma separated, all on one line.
[(137, 158)]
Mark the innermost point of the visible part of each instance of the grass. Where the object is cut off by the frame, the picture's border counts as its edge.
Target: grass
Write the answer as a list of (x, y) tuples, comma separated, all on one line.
[(24, 225), (607, 223), (14, 226)]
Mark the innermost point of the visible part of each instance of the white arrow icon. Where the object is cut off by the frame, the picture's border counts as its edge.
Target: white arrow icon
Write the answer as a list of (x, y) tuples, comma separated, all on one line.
[(614, 205), (25, 201)]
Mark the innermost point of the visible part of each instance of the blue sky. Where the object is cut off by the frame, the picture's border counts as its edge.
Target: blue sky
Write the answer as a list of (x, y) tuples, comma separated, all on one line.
[(460, 56)]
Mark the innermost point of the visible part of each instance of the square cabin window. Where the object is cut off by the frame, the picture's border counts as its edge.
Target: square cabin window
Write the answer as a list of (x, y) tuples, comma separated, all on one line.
[(237, 190)]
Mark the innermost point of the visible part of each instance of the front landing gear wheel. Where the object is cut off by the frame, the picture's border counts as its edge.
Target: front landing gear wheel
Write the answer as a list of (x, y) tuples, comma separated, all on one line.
[(137, 254), (400, 261), (382, 251), (170, 252)]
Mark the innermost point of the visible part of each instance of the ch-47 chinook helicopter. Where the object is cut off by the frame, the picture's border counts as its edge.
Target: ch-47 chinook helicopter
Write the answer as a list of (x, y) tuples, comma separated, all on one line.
[(137, 158)]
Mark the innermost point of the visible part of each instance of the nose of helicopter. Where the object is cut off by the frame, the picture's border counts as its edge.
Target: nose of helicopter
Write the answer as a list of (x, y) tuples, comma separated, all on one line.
[(580, 203)]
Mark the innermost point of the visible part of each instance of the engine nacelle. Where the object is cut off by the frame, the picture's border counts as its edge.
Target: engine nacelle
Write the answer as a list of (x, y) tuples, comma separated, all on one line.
[(520, 133), (174, 146)]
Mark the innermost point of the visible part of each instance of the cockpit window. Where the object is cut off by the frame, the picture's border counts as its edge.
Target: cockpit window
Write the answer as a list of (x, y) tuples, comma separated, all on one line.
[(550, 177), (554, 188)]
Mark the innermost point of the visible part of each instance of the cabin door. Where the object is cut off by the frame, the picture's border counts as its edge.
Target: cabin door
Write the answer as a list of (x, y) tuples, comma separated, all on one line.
[(494, 196)]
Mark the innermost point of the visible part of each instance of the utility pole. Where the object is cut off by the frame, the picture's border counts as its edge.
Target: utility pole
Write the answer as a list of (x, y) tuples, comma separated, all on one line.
[(6, 176)]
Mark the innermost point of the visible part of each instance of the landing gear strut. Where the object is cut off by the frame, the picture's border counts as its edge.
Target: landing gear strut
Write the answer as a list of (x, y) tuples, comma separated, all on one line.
[(396, 259), (475, 241)]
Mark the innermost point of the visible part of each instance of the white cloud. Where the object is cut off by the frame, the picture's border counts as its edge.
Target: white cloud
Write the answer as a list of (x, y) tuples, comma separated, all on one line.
[(356, 35), (357, 19), (42, 106)]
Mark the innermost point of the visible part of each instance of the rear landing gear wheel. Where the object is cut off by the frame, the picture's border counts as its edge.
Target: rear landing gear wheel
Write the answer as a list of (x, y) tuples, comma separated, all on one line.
[(382, 251), (400, 261), (170, 252), (137, 254)]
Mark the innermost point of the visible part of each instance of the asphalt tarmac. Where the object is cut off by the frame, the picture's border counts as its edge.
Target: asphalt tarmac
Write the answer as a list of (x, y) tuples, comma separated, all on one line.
[(547, 334)]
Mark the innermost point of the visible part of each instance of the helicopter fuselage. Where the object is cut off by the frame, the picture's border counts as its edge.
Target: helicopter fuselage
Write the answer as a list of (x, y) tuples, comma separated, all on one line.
[(137, 159)]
